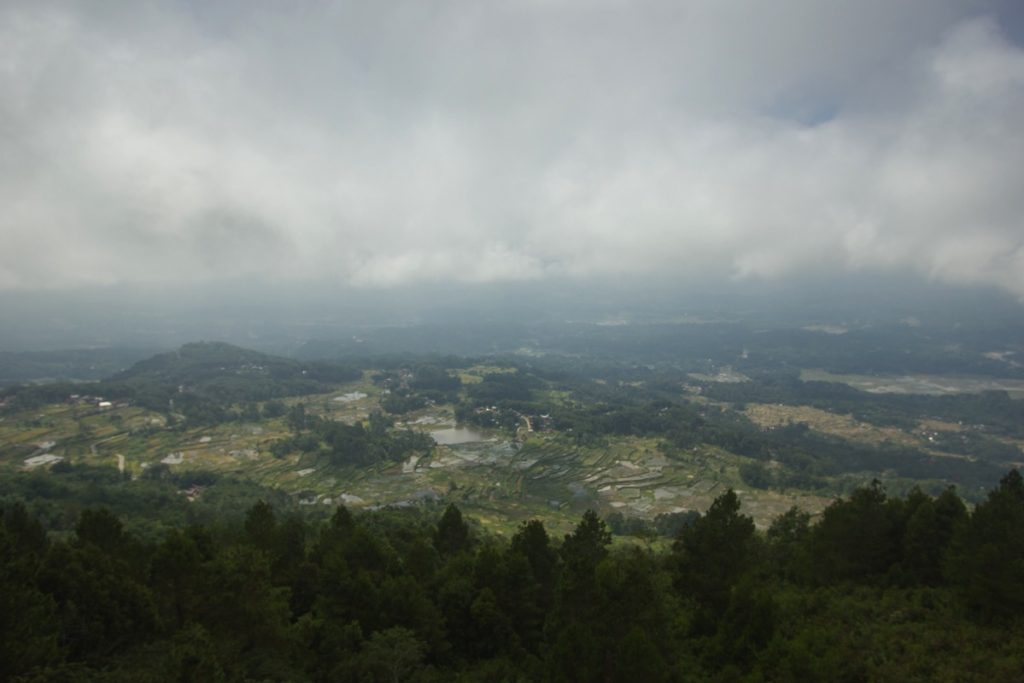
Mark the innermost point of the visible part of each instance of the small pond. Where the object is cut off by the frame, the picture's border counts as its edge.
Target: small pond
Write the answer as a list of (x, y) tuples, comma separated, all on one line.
[(456, 435)]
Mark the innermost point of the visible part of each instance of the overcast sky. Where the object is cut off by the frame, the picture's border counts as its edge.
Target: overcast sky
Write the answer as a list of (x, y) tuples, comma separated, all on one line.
[(392, 143)]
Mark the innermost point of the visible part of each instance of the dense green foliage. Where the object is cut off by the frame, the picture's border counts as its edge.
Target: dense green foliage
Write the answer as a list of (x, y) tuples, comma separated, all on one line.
[(402, 402), (149, 505), (880, 588), (356, 444)]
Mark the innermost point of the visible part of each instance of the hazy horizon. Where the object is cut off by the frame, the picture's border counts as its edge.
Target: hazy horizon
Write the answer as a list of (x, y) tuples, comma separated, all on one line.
[(280, 316)]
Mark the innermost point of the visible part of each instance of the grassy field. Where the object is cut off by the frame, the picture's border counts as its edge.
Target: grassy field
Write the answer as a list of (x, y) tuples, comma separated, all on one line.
[(843, 426)]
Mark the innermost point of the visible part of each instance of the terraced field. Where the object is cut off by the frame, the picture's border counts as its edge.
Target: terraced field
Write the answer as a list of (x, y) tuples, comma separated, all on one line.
[(548, 476), (500, 480)]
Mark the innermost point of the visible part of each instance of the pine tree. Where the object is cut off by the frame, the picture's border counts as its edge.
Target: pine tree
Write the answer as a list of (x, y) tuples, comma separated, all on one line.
[(986, 558), (452, 532), (714, 552)]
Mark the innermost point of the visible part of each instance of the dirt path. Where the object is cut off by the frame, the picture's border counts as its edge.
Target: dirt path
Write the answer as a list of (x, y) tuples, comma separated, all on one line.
[(92, 448), (523, 433)]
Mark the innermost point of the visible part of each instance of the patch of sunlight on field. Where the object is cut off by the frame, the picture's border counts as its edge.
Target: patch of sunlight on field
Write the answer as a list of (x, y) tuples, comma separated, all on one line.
[(844, 426)]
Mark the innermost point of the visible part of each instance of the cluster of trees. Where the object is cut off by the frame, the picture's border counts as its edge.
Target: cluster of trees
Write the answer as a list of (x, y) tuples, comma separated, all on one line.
[(503, 387), (974, 443), (412, 386), (878, 588), (357, 445), (810, 457), (665, 524), (429, 377), (497, 417), (500, 399), (402, 401), (151, 504)]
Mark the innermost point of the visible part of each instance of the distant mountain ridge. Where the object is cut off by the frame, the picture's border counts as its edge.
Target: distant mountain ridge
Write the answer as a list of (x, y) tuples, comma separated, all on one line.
[(228, 374), (205, 382), (87, 365), (199, 361)]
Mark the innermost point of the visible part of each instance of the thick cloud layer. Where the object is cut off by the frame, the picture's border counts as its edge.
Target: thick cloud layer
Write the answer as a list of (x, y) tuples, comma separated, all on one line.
[(390, 143)]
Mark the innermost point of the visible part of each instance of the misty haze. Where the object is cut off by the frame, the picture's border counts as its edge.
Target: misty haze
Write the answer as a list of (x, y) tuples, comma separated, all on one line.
[(524, 341)]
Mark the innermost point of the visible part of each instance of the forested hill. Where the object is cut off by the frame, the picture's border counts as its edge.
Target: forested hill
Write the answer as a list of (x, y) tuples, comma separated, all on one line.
[(202, 383), (201, 365), (198, 360), (879, 588)]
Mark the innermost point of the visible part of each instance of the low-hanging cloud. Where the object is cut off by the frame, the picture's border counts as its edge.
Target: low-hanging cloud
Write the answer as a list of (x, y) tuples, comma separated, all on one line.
[(380, 144)]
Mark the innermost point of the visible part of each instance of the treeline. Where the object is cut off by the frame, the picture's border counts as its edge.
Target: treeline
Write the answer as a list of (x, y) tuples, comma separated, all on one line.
[(880, 588), (995, 410)]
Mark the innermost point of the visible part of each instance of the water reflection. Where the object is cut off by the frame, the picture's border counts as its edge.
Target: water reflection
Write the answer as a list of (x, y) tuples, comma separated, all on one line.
[(455, 435)]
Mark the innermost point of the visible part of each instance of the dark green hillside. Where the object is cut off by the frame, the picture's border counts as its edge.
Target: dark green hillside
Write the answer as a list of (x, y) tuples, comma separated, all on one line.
[(202, 381), (879, 588), (205, 367)]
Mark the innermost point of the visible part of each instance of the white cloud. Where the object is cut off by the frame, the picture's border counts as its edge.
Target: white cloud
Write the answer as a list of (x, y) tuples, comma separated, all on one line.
[(401, 142)]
